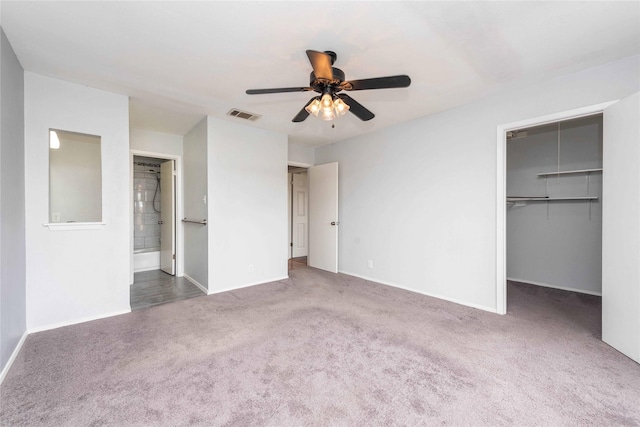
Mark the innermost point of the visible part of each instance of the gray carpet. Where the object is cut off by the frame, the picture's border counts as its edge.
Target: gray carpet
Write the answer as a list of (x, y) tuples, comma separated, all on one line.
[(324, 349)]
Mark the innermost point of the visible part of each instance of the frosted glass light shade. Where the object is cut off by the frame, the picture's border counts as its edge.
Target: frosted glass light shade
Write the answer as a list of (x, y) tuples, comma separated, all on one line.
[(326, 102), (340, 107), (313, 108), (328, 114)]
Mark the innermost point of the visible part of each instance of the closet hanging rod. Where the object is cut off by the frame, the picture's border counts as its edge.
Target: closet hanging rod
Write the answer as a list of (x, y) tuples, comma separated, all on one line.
[(527, 197), (195, 221), (570, 172)]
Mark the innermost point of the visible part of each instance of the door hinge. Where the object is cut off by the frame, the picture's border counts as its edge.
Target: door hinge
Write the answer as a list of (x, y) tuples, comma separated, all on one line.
[(291, 244), (174, 256)]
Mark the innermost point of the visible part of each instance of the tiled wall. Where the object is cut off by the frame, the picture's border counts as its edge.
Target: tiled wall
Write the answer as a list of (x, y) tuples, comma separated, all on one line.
[(146, 231)]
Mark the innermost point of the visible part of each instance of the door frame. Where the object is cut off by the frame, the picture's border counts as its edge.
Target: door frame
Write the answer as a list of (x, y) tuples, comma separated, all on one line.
[(289, 207), (179, 208), (501, 186)]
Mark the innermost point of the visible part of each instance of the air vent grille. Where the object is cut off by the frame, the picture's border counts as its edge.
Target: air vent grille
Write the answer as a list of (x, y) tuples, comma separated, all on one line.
[(243, 115)]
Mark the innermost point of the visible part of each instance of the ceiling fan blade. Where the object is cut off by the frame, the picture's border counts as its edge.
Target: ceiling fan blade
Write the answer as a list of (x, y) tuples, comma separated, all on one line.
[(377, 83), (303, 114), (356, 108), (321, 63), (277, 90)]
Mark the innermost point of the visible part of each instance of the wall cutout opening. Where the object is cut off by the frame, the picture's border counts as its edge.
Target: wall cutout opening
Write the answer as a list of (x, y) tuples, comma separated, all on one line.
[(75, 177)]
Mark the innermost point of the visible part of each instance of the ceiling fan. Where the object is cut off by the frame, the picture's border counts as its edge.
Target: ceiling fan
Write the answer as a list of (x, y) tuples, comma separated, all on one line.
[(328, 82)]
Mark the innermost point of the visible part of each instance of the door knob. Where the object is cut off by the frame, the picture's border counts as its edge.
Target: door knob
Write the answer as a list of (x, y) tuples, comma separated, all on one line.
[(334, 223), (160, 222)]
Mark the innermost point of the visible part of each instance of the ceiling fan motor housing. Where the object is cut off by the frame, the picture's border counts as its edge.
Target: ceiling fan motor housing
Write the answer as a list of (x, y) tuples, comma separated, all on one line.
[(319, 85), (332, 55)]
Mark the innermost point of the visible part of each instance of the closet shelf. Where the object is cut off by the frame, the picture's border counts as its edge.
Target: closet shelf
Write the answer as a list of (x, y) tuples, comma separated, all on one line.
[(577, 171), (515, 199)]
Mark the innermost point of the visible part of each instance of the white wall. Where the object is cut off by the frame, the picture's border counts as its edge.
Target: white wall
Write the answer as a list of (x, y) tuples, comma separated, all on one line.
[(300, 155), (559, 245), (155, 142), (248, 205), (73, 276), (12, 238), (419, 199), (196, 246)]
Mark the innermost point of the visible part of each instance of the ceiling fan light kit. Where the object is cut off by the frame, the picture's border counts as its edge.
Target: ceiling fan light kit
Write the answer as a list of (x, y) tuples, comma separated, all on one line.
[(328, 81), (329, 107)]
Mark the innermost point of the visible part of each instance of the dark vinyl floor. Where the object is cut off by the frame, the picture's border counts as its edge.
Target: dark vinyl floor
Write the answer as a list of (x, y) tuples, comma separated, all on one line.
[(156, 287)]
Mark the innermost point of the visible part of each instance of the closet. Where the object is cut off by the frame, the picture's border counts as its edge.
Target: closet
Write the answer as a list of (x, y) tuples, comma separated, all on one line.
[(554, 205)]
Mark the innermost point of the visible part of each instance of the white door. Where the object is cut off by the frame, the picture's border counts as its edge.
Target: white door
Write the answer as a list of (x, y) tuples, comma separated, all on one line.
[(299, 215), (167, 218), (323, 217), (621, 227)]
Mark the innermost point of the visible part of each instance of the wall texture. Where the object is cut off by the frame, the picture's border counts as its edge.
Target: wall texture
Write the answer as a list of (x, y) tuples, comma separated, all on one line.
[(559, 244), (248, 205), (12, 186), (419, 199), (74, 276), (301, 155), (155, 142), (196, 237)]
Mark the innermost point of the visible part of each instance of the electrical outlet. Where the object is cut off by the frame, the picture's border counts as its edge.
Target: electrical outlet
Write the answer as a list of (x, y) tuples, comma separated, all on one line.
[(251, 268), (370, 264), (55, 216)]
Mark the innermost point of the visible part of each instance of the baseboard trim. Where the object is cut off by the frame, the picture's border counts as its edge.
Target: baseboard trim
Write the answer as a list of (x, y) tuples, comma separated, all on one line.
[(453, 300), (76, 321), (13, 357), (198, 284), (562, 288), (260, 282)]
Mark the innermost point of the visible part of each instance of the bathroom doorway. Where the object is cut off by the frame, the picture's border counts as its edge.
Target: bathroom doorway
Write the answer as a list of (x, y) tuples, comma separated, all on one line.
[(157, 240), (156, 229), (153, 214)]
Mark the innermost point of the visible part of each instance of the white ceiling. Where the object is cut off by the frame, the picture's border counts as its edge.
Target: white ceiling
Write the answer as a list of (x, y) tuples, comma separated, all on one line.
[(179, 61)]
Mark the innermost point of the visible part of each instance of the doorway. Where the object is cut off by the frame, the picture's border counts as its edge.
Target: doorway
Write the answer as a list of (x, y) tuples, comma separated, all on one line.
[(154, 214), (620, 284), (554, 205), (147, 261), (298, 190), (501, 189), (316, 205)]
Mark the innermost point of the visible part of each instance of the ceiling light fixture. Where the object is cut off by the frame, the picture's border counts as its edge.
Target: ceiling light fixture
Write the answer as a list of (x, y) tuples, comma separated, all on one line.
[(54, 141), (329, 106)]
